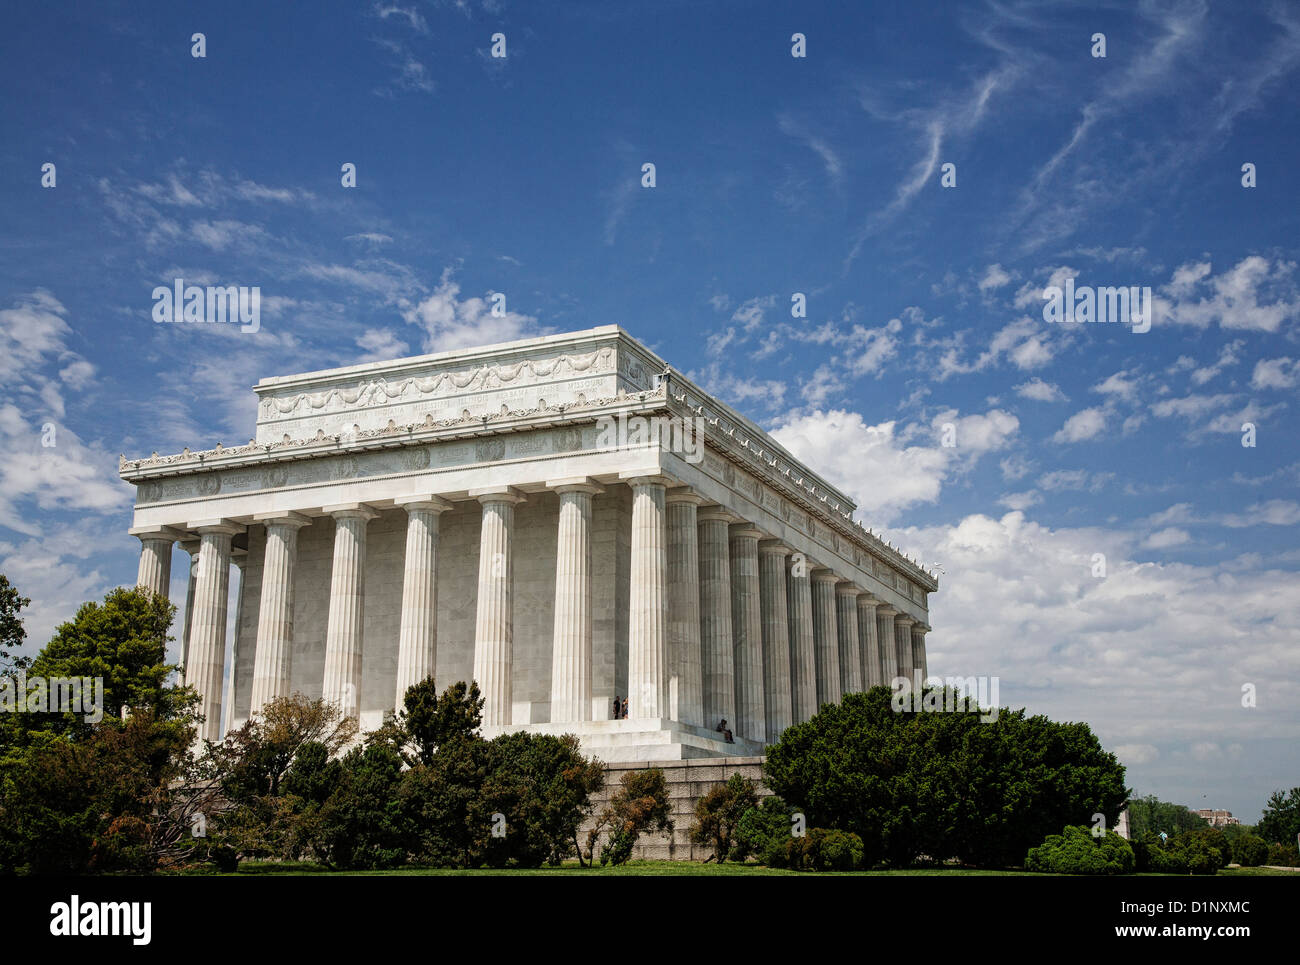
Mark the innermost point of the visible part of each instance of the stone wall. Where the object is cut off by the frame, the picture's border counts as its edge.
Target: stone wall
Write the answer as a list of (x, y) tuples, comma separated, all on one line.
[(688, 781)]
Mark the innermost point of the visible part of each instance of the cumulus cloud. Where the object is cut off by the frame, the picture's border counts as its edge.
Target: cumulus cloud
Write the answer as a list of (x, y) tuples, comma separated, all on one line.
[(451, 322), (1083, 425), (1040, 391), (1256, 294)]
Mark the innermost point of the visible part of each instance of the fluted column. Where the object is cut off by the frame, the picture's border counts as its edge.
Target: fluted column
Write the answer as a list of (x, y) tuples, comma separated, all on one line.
[(155, 572), (647, 643), (344, 632), (272, 659), (494, 628), (571, 646), (803, 650), (417, 637), (208, 626), (826, 637), (919, 630), (885, 639), (684, 607), (846, 622), (868, 642), (747, 630), (716, 656), (239, 558), (776, 638), (192, 547), (903, 644)]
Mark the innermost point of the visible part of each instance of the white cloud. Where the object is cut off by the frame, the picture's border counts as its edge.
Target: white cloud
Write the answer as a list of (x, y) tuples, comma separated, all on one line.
[(1255, 294), (1040, 391), (995, 276), (450, 322), (1084, 424), (1281, 373)]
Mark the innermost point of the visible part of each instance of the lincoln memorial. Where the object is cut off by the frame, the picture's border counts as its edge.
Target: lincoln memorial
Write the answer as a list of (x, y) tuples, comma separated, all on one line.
[(564, 520)]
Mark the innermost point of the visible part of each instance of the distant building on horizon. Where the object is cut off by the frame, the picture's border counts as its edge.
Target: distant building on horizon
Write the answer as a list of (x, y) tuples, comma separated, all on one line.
[(1217, 819)]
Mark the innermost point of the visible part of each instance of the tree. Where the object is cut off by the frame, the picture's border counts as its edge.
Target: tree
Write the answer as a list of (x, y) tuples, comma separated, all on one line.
[(123, 641), (1151, 814), (12, 632), (639, 806), (1076, 851), (763, 831), (945, 785), (1280, 822), (719, 811), (428, 721)]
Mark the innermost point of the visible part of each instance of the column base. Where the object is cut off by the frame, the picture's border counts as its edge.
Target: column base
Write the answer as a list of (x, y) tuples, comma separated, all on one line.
[(639, 740)]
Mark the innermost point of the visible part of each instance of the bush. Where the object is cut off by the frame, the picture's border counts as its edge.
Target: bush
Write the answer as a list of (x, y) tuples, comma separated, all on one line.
[(1249, 850), (1283, 855), (719, 811), (1075, 851), (762, 831), (1205, 851), (821, 849)]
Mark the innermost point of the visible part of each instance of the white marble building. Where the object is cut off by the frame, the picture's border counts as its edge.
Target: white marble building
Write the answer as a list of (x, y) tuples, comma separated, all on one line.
[(473, 514)]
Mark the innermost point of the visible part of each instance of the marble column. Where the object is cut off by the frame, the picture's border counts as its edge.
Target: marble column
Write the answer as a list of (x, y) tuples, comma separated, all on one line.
[(494, 628), (205, 670), (846, 622), (155, 572), (417, 635), (903, 643), (803, 650), (571, 637), (344, 631), (684, 607), (747, 633), (190, 546), (919, 630), (826, 637), (776, 637), (888, 649), (647, 638), (239, 558), (717, 659), (869, 642), (272, 659)]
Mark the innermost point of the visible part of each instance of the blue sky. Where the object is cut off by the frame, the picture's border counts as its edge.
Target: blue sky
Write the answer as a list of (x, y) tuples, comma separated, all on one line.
[(775, 175)]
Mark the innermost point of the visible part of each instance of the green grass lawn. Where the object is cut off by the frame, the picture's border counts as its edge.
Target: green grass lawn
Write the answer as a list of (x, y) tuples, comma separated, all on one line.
[(635, 868)]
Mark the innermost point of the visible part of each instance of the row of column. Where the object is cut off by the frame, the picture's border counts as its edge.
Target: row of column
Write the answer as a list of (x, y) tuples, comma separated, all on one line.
[(722, 623)]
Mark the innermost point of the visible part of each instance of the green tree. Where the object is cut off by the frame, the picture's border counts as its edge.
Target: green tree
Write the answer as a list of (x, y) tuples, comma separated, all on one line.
[(719, 811), (428, 721), (12, 632), (639, 806), (946, 785), (1076, 851), (1280, 822), (763, 831), (1151, 814)]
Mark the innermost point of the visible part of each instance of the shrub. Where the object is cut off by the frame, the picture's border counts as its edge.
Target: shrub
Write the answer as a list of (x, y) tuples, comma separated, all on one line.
[(719, 811), (821, 849), (1249, 850), (1205, 851), (762, 831), (1283, 855), (1075, 851)]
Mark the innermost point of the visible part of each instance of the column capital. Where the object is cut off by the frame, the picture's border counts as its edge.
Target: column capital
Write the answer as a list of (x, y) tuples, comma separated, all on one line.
[(684, 495), (497, 494), (351, 511), (576, 484), (221, 527), (824, 575), (847, 588), (427, 501), (296, 520), (636, 477), (921, 628), (745, 529), (169, 533), (885, 610), (774, 547), (866, 598), (716, 513), (904, 620)]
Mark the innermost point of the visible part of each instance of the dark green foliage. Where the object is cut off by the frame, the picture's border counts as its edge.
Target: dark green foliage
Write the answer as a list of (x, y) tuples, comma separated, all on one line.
[(1280, 822), (945, 785), (1151, 814), (1283, 856), (1075, 851), (821, 849), (719, 811), (1204, 851), (429, 722), (640, 805), (762, 832), (12, 632), (1249, 850)]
